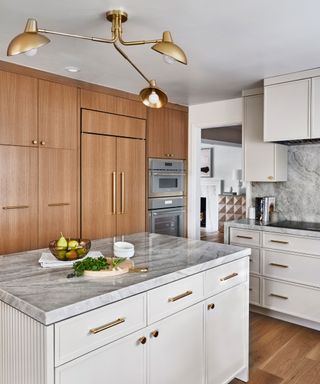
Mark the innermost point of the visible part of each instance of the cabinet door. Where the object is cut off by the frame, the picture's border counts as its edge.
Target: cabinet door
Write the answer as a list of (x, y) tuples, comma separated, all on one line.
[(226, 328), (176, 353), (121, 362), (18, 199), (18, 109), (98, 195), (286, 111), (59, 185), (58, 115), (131, 186), (315, 108)]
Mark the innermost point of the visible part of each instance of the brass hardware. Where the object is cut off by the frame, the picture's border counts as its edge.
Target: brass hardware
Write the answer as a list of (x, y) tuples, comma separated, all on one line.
[(57, 204), (153, 91), (211, 306), (270, 177), (279, 296), (229, 276), (142, 340), (107, 326), (42, 142), (34, 141), (279, 241), (279, 265), (114, 192), (181, 296), (155, 333), (15, 207), (139, 269), (122, 193), (244, 237)]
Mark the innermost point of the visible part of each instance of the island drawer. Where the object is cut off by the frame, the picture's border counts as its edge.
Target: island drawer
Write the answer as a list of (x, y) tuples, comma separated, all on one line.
[(173, 297), (292, 299), (297, 268), (244, 237), (83, 333), (286, 242), (255, 260), (226, 276), (254, 290)]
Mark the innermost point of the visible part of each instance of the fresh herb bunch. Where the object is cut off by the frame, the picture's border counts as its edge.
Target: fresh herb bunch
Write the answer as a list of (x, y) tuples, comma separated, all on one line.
[(91, 264)]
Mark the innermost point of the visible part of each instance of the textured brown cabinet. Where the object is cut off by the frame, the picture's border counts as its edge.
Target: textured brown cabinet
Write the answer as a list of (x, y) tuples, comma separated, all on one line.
[(113, 186), (167, 133)]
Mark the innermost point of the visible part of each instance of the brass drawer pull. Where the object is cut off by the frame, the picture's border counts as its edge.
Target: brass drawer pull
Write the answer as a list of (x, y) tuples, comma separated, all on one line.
[(211, 306), (42, 142), (155, 333), (279, 296), (107, 326), (58, 204), (142, 340), (229, 276), (175, 298), (34, 142), (15, 207), (279, 265), (279, 241), (122, 193), (114, 192), (245, 237)]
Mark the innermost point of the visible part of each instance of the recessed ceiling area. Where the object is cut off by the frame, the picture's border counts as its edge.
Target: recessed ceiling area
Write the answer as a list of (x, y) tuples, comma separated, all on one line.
[(228, 135), (231, 45)]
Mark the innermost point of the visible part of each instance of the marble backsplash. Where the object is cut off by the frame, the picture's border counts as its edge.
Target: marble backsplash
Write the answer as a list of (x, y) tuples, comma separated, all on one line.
[(299, 197)]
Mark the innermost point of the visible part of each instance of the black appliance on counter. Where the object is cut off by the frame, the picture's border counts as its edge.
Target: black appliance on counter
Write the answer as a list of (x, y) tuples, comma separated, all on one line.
[(166, 203)]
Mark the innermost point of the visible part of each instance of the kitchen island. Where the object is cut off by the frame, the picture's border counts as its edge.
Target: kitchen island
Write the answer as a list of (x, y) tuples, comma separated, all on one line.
[(185, 320)]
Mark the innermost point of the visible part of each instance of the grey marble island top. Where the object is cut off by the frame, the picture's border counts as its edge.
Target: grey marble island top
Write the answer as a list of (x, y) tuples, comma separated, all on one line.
[(47, 295)]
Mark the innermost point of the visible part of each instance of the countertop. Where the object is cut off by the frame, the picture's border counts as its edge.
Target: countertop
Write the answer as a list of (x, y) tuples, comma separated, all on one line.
[(254, 224), (48, 296)]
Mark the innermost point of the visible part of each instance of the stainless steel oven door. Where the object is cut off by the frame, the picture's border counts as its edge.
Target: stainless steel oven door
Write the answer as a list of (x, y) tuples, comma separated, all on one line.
[(167, 221), (166, 184)]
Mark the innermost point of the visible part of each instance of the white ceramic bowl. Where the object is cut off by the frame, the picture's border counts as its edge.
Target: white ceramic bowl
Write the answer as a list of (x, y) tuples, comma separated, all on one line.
[(123, 249)]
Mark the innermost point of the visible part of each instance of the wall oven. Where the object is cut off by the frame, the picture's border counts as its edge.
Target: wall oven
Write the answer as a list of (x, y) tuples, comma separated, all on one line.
[(166, 178)]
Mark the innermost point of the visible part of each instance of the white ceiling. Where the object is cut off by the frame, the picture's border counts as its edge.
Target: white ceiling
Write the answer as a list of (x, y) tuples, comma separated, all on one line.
[(231, 44)]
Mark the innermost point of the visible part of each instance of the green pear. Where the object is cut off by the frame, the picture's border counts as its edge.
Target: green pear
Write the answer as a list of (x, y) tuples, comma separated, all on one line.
[(73, 244), (61, 255), (62, 242)]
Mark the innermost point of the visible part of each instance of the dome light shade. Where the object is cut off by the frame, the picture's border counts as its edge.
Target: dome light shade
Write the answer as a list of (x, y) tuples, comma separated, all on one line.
[(28, 40), (153, 96), (168, 48)]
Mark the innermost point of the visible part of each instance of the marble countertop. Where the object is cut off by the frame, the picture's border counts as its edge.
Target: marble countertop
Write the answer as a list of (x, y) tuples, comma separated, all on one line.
[(254, 224), (47, 295)]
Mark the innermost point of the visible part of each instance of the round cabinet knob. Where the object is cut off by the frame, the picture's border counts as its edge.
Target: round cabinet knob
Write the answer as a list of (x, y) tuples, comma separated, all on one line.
[(142, 340), (34, 141), (211, 306), (270, 177), (42, 142), (155, 333)]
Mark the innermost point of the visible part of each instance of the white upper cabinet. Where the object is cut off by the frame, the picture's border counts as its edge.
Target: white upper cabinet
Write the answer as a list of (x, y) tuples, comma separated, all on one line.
[(262, 161), (287, 110), (315, 108)]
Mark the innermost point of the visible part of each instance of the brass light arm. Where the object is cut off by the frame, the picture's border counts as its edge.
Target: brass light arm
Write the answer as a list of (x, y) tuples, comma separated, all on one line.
[(97, 39), (138, 42), (129, 60)]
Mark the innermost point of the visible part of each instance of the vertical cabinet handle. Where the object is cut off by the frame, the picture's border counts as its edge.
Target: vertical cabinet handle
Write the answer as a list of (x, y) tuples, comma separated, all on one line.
[(114, 183), (122, 211)]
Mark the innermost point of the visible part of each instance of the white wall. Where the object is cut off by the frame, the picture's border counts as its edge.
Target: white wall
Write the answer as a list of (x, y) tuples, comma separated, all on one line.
[(209, 115)]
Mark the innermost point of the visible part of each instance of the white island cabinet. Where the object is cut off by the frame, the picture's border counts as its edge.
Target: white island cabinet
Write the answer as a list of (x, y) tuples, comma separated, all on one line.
[(190, 328)]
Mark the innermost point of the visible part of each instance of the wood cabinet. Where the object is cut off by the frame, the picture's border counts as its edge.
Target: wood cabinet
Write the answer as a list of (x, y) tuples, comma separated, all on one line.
[(262, 161), (113, 186), (167, 133), (18, 109), (18, 198)]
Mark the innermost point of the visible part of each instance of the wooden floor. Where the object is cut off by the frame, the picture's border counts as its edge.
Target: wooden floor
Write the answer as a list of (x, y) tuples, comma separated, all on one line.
[(216, 237), (282, 353)]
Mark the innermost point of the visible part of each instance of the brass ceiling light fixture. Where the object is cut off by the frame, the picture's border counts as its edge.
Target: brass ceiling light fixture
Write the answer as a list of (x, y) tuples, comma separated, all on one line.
[(32, 38)]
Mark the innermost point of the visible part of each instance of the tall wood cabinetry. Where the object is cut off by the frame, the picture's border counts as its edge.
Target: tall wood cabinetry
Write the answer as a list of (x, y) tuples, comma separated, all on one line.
[(113, 175), (39, 162)]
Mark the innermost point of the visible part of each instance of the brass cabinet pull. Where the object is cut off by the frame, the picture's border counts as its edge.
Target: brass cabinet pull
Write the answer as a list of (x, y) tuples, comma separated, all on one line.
[(142, 340), (15, 207), (107, 326), (279, 241), (57, 204), (181, 296), (211, 306), (42, 142), (114, 192), (122, 193), (34, 141), (279, 265), (279, 296), (245, 237), (270, 177), (155, 333), (229, 276)]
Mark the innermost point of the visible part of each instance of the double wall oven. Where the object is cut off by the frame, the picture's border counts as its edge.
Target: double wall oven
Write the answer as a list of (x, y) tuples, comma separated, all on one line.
[(167, 197)]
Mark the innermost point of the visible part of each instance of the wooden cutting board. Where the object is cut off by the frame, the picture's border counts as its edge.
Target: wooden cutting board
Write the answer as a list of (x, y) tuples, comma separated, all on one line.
[(120, 270)]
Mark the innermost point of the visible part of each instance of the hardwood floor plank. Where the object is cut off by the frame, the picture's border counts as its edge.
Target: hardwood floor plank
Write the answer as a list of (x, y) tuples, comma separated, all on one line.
[(314, 354), (306, 372), (258, 376)]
